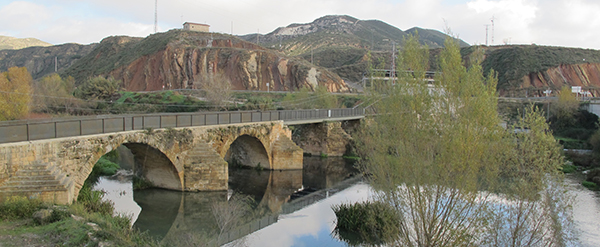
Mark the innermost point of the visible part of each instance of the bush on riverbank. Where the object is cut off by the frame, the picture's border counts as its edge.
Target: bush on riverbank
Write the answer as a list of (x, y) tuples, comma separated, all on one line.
[(140, 183), (366, 223), (17, 207), (73, 225)]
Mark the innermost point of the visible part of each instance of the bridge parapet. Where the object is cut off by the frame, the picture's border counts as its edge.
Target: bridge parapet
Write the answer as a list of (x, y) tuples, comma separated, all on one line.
[(30, 130)]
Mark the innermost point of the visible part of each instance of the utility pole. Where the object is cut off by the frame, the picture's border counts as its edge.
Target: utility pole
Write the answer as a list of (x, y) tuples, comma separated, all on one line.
[(393, 74), (155, 16), (311, 55), (55, 64)]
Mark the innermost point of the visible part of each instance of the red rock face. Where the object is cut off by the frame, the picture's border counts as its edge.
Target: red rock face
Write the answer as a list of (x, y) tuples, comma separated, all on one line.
[(245, 65), (585, 75)]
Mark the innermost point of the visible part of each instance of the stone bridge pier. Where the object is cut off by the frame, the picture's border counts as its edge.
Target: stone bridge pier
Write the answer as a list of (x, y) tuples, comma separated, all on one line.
[(184, 159), (325, 138)]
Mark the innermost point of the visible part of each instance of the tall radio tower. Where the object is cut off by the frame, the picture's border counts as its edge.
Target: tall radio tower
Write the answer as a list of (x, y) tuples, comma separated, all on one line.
[(155, 16), (493, 18)]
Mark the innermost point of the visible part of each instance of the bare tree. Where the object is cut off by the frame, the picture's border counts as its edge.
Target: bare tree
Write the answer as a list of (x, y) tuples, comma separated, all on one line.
[(217, 89)]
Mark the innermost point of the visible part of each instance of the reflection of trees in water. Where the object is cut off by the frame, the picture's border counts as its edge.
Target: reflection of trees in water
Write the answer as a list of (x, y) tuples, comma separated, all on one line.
[(160, 209), (205, 218)]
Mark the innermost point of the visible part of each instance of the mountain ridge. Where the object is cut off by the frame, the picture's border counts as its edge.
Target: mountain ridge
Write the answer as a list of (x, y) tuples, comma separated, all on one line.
[(341, 30), (12, 43)]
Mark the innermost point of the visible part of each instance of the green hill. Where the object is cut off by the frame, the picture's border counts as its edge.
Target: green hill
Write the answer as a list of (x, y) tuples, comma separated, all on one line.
[(512, 63), (10, 43)]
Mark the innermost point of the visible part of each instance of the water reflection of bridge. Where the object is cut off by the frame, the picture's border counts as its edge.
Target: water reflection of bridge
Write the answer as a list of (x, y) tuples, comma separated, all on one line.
[(173, 215)]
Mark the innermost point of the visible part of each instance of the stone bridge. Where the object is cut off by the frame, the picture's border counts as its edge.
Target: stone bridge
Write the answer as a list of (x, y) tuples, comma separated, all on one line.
[(186, 159), (51, 160)]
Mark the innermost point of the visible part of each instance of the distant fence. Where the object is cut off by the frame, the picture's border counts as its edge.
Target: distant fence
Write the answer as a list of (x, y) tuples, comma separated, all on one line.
[(22, 130)]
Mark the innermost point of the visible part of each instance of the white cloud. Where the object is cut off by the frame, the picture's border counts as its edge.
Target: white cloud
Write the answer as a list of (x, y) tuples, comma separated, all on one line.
[(23, 15), (568, 23), (512, 19)]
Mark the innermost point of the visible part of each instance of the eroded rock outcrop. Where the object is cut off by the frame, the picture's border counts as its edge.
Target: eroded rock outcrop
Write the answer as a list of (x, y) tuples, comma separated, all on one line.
[(181, 60), (586, 75)]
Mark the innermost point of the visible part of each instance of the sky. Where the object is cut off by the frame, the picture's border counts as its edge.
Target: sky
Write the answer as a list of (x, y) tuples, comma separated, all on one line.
[(570, 23)]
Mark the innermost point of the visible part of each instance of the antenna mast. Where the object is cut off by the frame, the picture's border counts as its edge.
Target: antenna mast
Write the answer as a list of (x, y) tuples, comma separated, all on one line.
[(493, 18), (486, 33), (155, 16)]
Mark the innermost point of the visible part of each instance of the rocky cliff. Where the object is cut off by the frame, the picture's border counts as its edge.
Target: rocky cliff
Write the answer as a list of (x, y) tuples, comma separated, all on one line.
[(586, 75), (181, 59)]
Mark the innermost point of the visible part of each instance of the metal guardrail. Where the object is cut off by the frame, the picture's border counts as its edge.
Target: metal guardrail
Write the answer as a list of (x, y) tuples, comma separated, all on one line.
[(30, 130)]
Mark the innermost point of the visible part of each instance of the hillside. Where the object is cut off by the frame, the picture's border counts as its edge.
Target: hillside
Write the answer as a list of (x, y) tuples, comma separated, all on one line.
[(181, 59), (11, 43), (40, 61), (340, 43), (537, 68)]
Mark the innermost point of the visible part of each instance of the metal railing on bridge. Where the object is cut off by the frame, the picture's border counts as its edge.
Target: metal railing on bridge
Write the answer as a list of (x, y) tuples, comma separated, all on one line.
[(30, 130)]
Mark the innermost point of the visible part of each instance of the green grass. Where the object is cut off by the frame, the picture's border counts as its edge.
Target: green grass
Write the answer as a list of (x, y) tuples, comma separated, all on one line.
[(568, 168), (590, 185), (351, 157)]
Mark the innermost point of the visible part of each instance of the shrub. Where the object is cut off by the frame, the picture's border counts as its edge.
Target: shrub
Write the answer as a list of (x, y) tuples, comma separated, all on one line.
[(19, 207), (92, 201), (141, 183), (366, 223), (98, 88)]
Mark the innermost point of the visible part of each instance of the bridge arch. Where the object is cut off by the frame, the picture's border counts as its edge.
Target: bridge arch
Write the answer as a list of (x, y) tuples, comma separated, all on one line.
[(151, 162), (249, 151), (153, 165)]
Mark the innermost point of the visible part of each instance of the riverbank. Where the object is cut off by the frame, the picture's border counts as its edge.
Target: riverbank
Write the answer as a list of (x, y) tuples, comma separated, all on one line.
[(28, 222), (586, 210)]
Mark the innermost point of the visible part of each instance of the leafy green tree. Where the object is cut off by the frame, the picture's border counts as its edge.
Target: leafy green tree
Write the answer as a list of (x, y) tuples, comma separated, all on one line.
[(15, 95), (532, 189), (437, 154), (53, 94), (565, 108)]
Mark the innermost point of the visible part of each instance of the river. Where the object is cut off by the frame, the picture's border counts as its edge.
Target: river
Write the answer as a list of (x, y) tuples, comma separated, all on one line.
[(290, 208)]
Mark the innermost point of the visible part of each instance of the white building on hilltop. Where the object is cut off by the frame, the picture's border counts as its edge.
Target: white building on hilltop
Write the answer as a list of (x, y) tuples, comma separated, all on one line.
[(195, 27)]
